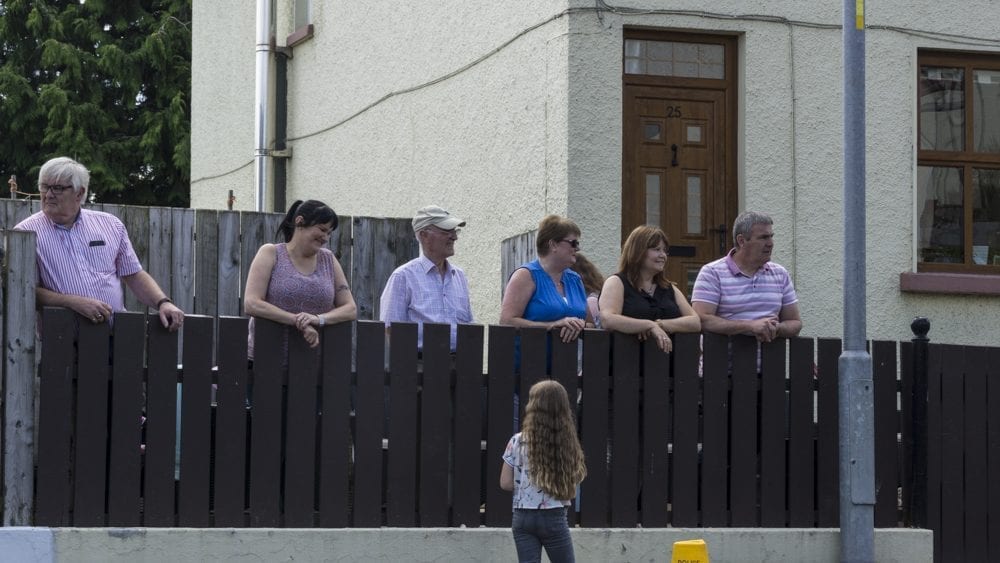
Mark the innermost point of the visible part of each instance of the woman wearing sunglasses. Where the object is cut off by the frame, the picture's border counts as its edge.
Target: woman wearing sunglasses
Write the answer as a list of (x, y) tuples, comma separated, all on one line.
[(546, 292)]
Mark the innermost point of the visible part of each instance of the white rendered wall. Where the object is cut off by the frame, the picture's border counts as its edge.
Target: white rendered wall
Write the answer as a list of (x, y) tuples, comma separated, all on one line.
[(535, 128)]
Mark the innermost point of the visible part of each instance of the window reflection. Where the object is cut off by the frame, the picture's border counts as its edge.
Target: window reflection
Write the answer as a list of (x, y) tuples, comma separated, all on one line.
[(942, 108), (986, 110), (939, 205)]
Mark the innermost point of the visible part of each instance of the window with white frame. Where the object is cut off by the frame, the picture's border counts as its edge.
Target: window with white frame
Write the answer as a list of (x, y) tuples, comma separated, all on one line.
[(958, 162)]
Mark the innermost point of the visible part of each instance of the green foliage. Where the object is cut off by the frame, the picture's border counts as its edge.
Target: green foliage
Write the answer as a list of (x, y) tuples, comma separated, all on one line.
[(107, 82)]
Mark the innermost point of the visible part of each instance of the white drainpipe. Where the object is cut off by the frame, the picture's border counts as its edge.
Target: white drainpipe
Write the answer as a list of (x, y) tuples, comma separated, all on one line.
[(262, 101)]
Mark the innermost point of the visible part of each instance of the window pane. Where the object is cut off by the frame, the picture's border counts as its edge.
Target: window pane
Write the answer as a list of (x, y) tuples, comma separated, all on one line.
[(942, 108), (939, 204), (986, 110), (652, 131), (670, 58), (985, 216), (653, 199), (694, 205)]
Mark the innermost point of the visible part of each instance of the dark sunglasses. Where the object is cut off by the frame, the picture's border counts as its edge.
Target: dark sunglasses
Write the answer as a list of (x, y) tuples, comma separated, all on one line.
[(575, 243)]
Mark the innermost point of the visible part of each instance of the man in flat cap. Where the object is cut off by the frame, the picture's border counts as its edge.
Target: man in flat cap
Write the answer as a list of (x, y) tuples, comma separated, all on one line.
[(429, 288)]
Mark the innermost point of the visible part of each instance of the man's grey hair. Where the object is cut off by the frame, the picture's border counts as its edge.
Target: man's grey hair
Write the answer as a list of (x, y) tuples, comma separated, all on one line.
[(63, 171), (745, 222)]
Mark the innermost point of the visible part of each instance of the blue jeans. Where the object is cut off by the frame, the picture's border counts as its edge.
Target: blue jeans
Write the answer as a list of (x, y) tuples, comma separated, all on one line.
[(534, 529)]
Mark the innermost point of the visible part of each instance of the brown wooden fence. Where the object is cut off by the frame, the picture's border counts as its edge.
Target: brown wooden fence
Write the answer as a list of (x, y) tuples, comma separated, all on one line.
[(308, 444)]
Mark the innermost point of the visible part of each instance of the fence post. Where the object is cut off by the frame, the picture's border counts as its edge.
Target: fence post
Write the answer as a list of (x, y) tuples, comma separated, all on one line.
[(918, 404), (19, 380)]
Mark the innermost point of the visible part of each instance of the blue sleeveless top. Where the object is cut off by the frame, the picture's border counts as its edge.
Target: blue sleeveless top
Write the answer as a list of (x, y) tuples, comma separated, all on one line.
[(546, 304)]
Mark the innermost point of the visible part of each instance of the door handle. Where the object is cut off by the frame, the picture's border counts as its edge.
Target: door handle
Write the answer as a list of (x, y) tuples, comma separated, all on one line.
[(673, 161), (721, 232)]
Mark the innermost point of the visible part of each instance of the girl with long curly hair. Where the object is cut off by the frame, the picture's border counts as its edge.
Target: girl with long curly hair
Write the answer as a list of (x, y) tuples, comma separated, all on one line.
[(543, 464)]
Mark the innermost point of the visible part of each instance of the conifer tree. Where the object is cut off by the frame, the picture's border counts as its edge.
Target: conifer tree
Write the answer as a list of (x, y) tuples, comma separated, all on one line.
[(107, 82)]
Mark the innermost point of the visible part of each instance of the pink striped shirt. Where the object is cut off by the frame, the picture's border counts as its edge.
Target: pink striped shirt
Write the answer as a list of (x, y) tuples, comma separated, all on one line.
[(88, 259), (738, 297)]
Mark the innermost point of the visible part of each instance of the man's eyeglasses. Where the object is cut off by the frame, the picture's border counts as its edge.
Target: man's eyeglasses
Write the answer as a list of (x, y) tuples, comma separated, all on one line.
[(441, 231), (575, 243), (57, 190)]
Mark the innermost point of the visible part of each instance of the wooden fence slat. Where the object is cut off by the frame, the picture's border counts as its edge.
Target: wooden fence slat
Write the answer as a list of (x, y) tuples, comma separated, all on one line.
[(500, 400), (802, 435), (231, 272), (514, 253), (231, 424), (137, 224), (468, 427), (91, 425), (369, 424), (828, 432), (182, 249), (362, 270), (715, 440), (342, 245), (687, 396), (625, 430), (266, 413), (655, 476), (594, 428), (976, 448), (534, 365), (395, 244), (886, 428), (160, 262), (774, 435), (19, 347), (128, 377), (935, 361), (161, 425), (300, 433), (209, 266), (335, 441), (401, 478), (256, 229), (196, 418), (743, 433), (17, 210), (952, 441), (435, 426), (993, 453), (57, 372), (906, 427), (565, 365)]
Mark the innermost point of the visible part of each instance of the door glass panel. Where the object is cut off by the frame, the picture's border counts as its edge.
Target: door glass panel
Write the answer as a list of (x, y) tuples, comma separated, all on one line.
[(986, 216), (694, 205), (940, 214), (693, 134), (986, 110), (942, 108), (653, 199), (652, 131), (674, 58)]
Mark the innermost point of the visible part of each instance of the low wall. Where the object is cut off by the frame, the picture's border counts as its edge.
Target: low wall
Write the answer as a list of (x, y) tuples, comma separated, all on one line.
[(798, 545)]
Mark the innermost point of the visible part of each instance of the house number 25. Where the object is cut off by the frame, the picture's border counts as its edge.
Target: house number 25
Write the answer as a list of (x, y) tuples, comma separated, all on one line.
[(674, 111)]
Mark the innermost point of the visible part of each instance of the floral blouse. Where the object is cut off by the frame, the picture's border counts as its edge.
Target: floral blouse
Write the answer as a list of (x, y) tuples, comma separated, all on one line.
[(526, 494)]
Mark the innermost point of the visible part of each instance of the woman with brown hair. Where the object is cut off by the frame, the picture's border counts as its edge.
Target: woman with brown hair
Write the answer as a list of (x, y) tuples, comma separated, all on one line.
[(639, 299)]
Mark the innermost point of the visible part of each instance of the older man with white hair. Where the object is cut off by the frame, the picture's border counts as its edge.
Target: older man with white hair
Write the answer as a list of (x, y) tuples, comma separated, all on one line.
[(84, 255)]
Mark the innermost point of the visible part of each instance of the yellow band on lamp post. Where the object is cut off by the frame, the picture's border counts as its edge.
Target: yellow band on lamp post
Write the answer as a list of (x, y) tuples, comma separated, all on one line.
[(859, 14)]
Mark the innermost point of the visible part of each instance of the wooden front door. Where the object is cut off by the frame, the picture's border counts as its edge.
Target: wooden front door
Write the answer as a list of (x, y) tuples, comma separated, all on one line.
[(678, 146)]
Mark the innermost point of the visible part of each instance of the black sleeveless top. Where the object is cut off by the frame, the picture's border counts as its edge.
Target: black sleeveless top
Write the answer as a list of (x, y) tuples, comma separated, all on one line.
[(639, 305)]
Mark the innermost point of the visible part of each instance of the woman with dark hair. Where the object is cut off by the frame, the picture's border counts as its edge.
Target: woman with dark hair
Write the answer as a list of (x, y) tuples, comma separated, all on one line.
[(546, 292), (300, 282), (639, 299), (593, 281)]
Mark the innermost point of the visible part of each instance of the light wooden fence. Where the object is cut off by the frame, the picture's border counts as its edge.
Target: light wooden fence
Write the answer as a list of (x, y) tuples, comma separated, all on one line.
[(201, 257)]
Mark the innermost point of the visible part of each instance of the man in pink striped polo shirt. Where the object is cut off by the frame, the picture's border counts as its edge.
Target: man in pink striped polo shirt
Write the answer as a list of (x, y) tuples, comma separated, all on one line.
[(83, 255), (744, 292)]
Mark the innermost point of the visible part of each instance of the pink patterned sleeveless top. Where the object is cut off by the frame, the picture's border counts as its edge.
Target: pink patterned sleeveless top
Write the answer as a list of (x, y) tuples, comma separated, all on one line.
[(296, 292)]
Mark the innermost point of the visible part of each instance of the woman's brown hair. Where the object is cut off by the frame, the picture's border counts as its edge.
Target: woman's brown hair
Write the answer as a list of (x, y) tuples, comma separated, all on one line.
[(553, 228)]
